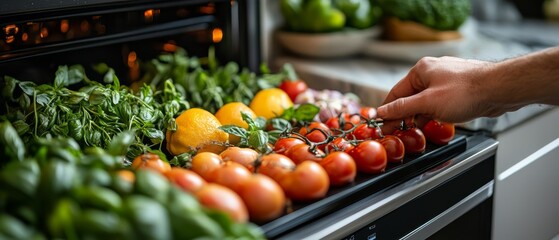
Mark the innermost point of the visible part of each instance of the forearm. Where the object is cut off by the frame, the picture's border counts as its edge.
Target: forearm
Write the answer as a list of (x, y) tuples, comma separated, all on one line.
[(533, 78)]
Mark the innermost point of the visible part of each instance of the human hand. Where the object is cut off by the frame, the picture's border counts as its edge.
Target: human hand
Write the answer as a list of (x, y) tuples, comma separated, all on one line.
[(447, 89)]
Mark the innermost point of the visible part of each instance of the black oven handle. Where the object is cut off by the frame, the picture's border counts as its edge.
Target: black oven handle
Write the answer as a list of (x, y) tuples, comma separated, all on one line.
[(350, 219)]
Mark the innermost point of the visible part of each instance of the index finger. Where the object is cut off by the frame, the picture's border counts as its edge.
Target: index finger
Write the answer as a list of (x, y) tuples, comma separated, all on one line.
[(403, 88)]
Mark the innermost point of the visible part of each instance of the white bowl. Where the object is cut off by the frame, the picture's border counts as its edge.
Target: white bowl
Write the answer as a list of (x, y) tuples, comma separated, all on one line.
[(412, 51), (327, 45)]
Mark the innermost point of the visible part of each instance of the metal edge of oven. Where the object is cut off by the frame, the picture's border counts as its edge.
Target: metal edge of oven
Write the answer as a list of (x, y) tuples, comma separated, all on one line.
[(350, 219)]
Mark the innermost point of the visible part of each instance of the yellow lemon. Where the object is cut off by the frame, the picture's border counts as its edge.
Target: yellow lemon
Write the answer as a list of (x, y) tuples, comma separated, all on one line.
[(230, 114), (197, 130), (271, 102)]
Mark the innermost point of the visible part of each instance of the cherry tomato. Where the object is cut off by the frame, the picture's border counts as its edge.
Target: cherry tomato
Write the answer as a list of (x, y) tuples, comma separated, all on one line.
[(439, 133), (302, 152), (312, 133), (205, 162), (293, 88), (366, 132), (150, 161), (339, 144), (230, 174), (244, 156), (276, 166), (394, 147), (215, 196), (368, 112), (413, 139), (264, 198), (340, 167), (349, 121), (309, 181), (283, 144), (185, 179), (369, 156)]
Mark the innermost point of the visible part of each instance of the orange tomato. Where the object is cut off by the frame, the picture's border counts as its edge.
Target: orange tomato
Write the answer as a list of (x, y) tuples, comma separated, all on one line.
[(205, 162), (185, 179), (263, 197), (243, 156), (215, 196), (150, 161), (309, 181), (230, 174), (276, 166)]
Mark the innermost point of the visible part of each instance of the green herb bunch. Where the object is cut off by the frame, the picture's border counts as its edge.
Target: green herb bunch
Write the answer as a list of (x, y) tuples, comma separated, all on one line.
[(205, 83), (94, 113)]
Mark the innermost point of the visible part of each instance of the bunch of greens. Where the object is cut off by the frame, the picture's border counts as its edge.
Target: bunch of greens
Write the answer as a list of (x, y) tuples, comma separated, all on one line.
[(317, 16), (205, 83), (54, 190), (436, 14), (94, 113)]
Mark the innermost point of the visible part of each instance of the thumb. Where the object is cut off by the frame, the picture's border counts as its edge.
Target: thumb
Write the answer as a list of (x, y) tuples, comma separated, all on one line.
[(401, 108)]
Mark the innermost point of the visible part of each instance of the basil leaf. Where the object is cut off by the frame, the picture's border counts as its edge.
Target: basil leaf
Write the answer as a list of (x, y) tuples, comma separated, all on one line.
[(28, 87), (258, 140), (306, 112), (9, 87), (11, 142), (61, 76), (235, 130)]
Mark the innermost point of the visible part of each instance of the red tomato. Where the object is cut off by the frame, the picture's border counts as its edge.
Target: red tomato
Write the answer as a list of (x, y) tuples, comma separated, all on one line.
[(283, 144), (215, 196), (231, 175), (349, 121), (185, 179), (339, 144), (205, 162), (438, 132), (340, 167), (368, 112), (413, 139), (263, 197), (293, 88), (309, 181), (312, 133), (302, 152), (276, 166), (244, 156), (367, 132), (394, 148), (369, 156)]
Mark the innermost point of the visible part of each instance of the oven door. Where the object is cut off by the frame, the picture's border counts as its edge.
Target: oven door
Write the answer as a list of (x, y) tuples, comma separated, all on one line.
[(450, 201)]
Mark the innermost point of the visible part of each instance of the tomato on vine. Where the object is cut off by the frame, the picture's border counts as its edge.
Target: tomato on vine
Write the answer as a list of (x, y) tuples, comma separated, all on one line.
[(309, 181), (439, 133), (394, 147), (303, 152), (366, 131), (283, 144), (293, 88), (339, 144), (340, 167), (413, 139), (370, 157)]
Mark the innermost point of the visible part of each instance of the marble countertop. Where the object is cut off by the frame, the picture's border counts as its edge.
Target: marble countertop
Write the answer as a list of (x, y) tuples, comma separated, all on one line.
[(371, 77)]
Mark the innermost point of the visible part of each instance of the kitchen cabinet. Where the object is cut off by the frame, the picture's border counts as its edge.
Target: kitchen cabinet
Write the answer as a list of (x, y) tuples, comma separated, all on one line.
[(526, 193)]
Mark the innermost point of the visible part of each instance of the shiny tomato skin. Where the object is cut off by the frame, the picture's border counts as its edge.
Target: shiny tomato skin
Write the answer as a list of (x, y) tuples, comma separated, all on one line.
[(205, 162), (370, 157), (312, 133), (439, 133), (185, 179), (368, 112), (302, 152), (283, 144), (413, 139), (263, 197), (366, 132), (244, 156), (293, 88), (230, 174), (276, 166), (339, 144), (340, 167), (309, 181), (395, 150), (215, 196)]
